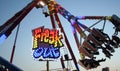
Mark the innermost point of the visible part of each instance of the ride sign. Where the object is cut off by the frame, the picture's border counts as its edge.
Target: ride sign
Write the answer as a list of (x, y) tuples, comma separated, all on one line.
[(46, 43)]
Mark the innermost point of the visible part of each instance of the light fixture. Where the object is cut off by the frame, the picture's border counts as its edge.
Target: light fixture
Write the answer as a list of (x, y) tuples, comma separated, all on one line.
[(41, 4)]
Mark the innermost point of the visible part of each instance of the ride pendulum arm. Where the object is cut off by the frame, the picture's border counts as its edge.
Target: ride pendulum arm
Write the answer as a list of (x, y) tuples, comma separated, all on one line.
[(67, 42), (8, 27), (72, 20), (52, 16)]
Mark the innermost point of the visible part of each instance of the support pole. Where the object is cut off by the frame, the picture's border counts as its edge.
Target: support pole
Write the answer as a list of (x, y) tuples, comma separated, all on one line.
[(13, 50), (47, 65), (62, 63)]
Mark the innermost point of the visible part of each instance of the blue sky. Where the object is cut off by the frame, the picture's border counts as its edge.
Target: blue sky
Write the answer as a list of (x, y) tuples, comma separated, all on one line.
[(23, 55)]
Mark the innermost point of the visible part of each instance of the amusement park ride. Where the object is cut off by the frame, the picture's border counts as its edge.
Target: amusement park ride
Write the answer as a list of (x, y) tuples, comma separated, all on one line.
[(88, 49)]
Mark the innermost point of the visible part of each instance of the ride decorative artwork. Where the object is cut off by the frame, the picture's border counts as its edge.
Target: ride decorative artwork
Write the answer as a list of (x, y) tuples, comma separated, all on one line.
[(46, 43)]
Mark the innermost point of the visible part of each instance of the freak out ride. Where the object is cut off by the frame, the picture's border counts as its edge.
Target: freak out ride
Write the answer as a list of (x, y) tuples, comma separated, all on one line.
[(47, 42)]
